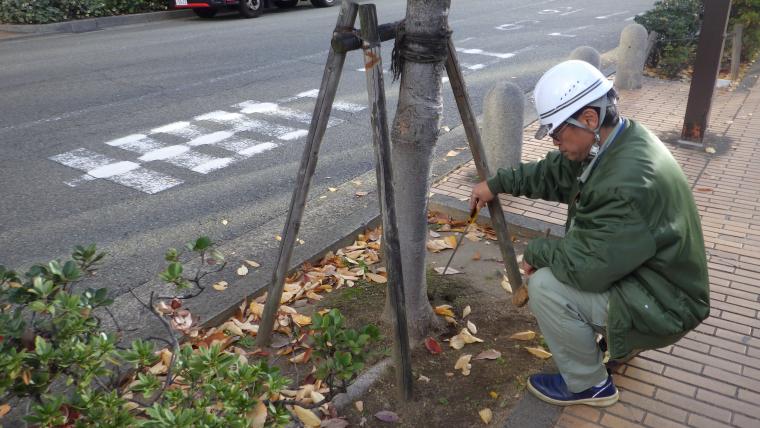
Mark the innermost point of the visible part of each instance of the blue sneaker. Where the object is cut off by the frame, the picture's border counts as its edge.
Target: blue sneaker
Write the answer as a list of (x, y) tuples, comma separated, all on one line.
[(552, 389)]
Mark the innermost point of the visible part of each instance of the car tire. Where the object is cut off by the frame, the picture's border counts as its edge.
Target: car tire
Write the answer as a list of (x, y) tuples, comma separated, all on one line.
[(324, 3), (205, 12), (251, 8), (285, 4)]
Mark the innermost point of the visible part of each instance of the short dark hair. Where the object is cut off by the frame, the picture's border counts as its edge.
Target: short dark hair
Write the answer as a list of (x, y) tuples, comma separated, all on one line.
[(612, 116)]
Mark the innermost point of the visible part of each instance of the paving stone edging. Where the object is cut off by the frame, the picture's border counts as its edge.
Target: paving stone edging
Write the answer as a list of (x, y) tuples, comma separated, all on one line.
[(94, 24)]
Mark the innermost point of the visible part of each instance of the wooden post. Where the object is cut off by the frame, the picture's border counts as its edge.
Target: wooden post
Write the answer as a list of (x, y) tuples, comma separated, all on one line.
[(381, 142), (327, 90), (736, 51), (470, 124)]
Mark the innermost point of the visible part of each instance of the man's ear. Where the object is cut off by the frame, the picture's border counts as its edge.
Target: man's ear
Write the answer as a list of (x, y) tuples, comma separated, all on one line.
[(590, 118)]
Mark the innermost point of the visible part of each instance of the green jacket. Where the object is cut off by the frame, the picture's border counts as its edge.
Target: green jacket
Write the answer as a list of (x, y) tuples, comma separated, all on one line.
[(632, 228)]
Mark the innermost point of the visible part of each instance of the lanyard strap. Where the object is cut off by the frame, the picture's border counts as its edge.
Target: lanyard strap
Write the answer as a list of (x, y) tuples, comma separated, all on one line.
[(622, 123)]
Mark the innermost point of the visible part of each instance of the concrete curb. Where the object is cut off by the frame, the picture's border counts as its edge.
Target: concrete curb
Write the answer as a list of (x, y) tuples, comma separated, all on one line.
[(94, 24)]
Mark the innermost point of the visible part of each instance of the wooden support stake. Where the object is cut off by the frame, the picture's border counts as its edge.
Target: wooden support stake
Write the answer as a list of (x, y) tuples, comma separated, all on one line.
[(381, 142), (327, 90), (736, 50), (520, 296)]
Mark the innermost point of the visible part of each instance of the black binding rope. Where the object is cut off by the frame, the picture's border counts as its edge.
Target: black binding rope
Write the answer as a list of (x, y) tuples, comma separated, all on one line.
[(422, 48)]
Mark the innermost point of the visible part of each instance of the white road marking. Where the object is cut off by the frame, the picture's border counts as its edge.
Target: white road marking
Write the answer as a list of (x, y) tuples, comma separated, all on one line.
[(569, 35), (474, 66), (337, 105), (180, 129), (258, 148), (240, 122), (209, 139), (246, 148), (570, 12), (273, 109), (364, 69), (164, 153), (139, 143), (486, 53), (126, 173), (611, 15)]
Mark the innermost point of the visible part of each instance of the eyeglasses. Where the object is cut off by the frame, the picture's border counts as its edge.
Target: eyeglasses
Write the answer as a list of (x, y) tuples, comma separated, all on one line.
[(555, 134)]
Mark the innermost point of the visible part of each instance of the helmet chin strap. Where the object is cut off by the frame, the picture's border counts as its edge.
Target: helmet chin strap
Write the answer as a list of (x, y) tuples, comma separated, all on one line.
[(602, 103)]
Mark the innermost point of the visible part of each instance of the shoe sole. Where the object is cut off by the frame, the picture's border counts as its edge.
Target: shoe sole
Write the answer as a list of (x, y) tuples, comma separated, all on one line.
[(595, 402)]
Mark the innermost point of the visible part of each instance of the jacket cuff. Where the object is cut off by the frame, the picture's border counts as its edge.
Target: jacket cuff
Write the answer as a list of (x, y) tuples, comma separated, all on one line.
[(494, 184), (535, 253)]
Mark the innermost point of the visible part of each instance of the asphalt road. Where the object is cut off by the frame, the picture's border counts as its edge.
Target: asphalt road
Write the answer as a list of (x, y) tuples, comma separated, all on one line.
[(142, 137)]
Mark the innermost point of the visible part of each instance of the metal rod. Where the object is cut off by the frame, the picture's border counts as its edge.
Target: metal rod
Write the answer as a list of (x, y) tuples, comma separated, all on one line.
[(381, 142), (478, 155), (348, 41), (327, 90), (706, 66)]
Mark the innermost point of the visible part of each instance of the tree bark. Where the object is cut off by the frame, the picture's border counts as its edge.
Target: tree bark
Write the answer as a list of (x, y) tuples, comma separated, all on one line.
[(413, 135)]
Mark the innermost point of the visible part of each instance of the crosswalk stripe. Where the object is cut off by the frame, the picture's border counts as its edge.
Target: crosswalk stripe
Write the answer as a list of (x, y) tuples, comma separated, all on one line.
[(240, 123), (180, 129), (274, 109)]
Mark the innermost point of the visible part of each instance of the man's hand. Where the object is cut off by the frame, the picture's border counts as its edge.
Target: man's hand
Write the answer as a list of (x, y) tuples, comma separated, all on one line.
[(527, 268), (480, 196)]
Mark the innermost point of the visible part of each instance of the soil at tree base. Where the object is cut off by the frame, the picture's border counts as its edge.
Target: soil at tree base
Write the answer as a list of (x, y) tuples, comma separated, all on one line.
[(450, 399)]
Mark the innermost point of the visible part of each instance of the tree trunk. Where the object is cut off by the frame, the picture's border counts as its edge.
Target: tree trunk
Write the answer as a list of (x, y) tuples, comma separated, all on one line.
[(413, 135)]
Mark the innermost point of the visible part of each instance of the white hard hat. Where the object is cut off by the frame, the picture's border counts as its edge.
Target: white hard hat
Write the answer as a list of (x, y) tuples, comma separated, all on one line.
[(564, 89)]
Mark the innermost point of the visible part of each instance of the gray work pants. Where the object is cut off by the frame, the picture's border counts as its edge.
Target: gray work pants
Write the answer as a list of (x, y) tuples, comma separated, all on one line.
[(569, 320)]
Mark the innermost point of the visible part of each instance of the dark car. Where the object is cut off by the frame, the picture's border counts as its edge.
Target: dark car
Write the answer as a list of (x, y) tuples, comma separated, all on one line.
[(247, 8)]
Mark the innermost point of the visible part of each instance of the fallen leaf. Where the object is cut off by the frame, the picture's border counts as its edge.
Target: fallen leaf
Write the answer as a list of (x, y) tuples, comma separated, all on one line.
[(242, 270), (450, 320), (387, 416), (359, 406), (539, 352), (493, 394), (257, 417), (301, 241), (436, 245), (451, 153), (467, 337), (252, 263), (486, 415), (471, 327), (278, 238), (233, 328), (434, 234), (376, 278), (467, 310), (4, 409), (360, 194), (163, 308), (449, 271), (505, 284), (332, 189), (704, 189), (444, 310), (334, 423), (301, 358), (463, 363), (432, 346), (710, 150), (301, 320), (451, 240), (224, 222), (423, 378), (307, 417), (524, 335), (490, 354), (456, 342), (220, 286), (476, 256)]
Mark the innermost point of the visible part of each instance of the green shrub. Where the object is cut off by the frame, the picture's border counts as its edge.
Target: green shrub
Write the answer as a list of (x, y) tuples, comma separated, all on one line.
[(47, 11), (677, 23)]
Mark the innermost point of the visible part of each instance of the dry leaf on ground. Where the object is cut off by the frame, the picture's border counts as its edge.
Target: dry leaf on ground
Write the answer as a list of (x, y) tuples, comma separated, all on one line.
[(471, 327), (376, 278), (257, 417), (252, 263), (449, 271), (360, 194), (434, 234), (387, 416), (505, 284), (468, 337), (524, 335), (332, 189), (538, 352), (220, 286), (451, 153), (490, 354), (4, 409), (334, 423), (242, 270), (467, 310), (463, 363), (359, 406), (307, 417), (432, 346), (486, 415), (476, 256), (456, 342), (444, 310)]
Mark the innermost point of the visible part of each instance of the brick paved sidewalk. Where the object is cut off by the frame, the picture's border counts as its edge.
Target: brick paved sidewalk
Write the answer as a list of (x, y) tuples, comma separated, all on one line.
[(711, 378)]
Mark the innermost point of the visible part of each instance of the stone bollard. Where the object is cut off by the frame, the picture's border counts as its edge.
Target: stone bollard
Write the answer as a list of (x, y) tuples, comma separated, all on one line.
[(503, 111), (588, 54), (631, 55)]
